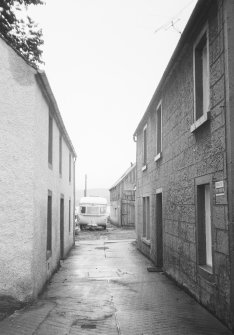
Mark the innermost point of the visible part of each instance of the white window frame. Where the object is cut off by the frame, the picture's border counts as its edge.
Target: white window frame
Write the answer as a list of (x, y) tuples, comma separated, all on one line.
[(205, 115), (204, 225), (158, 153), (208, 226), (146, 220), (50, 140), (60, 154), (145, 149)]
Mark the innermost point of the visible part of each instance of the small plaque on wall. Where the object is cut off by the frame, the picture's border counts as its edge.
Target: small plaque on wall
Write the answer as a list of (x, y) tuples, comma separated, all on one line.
[(220, 193)]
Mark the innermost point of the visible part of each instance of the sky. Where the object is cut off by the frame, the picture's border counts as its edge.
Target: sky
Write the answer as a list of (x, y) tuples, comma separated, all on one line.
[(104, 60)]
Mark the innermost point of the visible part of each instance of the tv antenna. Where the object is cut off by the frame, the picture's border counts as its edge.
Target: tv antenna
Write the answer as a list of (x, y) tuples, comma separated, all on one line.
[(172, 22), (168, 25)]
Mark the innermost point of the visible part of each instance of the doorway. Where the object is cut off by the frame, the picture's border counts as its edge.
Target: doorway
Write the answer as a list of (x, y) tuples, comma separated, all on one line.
[(159, 230), (61, 227)]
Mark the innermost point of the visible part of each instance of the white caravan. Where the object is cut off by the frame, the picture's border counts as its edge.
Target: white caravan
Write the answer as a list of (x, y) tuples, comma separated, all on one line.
[(93, 212)]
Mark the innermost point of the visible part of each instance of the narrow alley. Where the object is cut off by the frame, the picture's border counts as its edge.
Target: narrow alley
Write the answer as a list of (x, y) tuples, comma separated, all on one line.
[(103, 287)]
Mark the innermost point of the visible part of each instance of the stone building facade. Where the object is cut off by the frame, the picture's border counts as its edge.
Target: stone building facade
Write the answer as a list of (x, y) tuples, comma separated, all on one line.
[(122, 199), (184, 192), (37, 164)]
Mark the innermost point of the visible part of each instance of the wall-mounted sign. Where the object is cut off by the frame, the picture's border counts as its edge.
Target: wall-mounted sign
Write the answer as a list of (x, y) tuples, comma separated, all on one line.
[(219, 184), (220, 193)]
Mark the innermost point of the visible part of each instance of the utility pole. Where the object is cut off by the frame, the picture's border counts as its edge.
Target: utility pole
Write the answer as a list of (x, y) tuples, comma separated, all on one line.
[(85, 190)]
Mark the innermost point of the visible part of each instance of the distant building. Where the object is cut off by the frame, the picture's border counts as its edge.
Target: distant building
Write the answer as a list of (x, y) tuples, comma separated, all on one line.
[(37, 164), (122, 199), (185, 162)]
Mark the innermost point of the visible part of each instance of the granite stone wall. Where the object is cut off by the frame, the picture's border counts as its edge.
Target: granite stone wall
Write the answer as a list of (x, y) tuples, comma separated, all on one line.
[(186, 158)]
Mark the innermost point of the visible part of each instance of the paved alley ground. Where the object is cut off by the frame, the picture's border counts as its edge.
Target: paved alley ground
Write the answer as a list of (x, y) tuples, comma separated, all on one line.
[(103, 287)]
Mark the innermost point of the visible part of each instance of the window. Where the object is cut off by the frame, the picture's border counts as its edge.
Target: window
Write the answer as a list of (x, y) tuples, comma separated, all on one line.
[(93, 210), (60, 154), (83, 209), (158, 132), (69, 167), (146, 218), (49, 222), (50, 140), (144, 147), (201, 80), (69, 215), (204, 226)]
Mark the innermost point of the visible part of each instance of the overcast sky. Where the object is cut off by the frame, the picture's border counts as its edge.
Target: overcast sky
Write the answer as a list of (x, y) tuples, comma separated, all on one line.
[(104, 59)]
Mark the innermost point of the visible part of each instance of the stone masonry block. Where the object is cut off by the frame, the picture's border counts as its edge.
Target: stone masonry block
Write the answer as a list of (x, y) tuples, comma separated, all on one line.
[(217, 70), (188, 213), (216, 47), (171, 227), (222, 241), (189, 268), (218, 140), (187, 231), (193, 252), (185, 250), (222, 274), (217, 92), (217, 120), (183, 196), (219, 217), (220, 261), (216, 21), (212, 164)]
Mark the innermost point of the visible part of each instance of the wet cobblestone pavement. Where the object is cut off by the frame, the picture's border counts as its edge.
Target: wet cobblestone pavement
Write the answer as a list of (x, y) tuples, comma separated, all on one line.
[(104, 287)]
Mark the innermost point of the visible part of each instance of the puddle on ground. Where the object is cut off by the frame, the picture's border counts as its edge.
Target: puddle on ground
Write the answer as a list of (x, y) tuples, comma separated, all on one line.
[(88, 326)]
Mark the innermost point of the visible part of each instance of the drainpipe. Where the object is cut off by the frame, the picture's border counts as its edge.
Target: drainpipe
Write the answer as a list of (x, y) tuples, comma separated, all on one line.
[(228, 109), (74, 197)]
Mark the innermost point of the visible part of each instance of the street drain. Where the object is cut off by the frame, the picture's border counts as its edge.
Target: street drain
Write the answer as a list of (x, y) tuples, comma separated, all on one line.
[(88, 326)]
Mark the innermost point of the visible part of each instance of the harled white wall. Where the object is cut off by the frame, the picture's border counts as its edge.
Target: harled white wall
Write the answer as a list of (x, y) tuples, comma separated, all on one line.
[(16, 177), (48, 178), (25, 179)]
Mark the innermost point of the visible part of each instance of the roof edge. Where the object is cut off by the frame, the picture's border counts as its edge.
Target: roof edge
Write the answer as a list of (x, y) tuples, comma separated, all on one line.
[(123, 176), (34, 66)]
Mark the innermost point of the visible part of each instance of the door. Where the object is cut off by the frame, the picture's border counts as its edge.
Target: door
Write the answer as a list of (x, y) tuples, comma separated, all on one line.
[(124, 213), (159, 230), (61, 228), (127, 213)]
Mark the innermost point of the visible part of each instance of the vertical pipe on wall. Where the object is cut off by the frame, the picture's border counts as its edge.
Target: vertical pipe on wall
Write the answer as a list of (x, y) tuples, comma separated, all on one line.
[(229, 108)]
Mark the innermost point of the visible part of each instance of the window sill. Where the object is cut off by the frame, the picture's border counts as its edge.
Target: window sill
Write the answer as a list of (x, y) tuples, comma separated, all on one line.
[(198, 123), (206, 272), (144, 240), (158, 156), (144, 167)]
